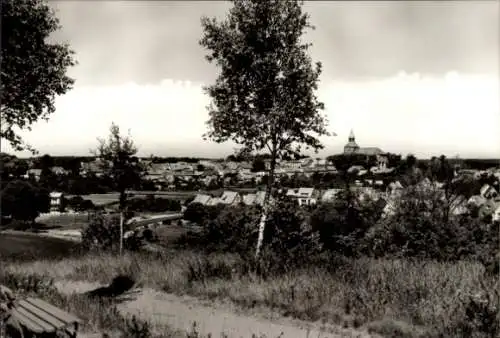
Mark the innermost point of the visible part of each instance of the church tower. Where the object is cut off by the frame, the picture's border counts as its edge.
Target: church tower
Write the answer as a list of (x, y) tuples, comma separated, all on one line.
[(351, 146)]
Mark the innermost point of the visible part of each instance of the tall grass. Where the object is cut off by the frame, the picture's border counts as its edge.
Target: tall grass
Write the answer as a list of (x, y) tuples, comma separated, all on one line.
[(394, 297)]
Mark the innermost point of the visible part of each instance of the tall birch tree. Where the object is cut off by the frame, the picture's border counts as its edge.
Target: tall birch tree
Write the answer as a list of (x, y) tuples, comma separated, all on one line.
[(264, 96)]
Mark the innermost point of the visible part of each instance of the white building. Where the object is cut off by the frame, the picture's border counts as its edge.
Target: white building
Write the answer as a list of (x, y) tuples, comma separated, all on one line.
[(304, 196), (56, 201)]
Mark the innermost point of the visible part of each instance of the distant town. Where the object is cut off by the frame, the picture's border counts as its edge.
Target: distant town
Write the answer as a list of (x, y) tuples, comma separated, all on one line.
[(373, 173)]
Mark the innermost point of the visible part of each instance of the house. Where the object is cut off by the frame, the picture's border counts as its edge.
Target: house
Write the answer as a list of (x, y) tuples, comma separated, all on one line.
[(202, 199), (320, 162), (245, 166), (487, 191), (227, 198), (245, 175), (181, 166), (94, 167), (294, 165), (476, 200), (488, 209), (390, 207), (362, 172), (58, 170), (368, 194), (496, 214), (254, 199), (395, 188), (459, 206), (330, 195), (230, 198), (35, 173), (356, 168), (304, 196), (156, 172), (210, 180), (307, 162), (56, 201), (249, 199), (232, 166)]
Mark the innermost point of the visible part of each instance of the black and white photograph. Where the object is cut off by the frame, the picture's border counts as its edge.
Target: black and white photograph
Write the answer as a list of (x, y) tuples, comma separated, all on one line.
[(250, 169)]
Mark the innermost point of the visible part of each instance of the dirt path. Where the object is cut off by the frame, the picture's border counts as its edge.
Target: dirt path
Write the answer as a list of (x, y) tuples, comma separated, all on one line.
[(180, 313)]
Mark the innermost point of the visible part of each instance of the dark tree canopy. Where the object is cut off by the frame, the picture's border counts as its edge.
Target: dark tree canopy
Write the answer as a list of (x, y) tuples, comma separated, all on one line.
[(264, 95), (23, 201), (33, 68)]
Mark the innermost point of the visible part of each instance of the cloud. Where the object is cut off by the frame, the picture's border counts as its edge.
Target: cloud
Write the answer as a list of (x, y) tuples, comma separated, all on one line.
[(120, 41), (451, 114)]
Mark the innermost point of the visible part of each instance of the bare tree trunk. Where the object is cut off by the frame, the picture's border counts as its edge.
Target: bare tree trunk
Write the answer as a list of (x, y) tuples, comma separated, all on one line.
[(123, 198), (265, 207)]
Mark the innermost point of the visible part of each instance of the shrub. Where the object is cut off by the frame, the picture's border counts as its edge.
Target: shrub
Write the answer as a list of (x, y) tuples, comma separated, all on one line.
[(422, 228), (77, 203), (102, 232), (342, 226), (233, 229), (289, 238), (196, 213)]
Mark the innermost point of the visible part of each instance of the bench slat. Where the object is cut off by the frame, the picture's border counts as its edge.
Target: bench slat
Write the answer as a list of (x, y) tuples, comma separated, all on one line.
[(47, 327), (42, 314), (26, 321), (54, 311)]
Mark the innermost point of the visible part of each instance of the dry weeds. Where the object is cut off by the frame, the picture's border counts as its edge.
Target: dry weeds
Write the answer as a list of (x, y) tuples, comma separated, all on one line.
[(395, 297)]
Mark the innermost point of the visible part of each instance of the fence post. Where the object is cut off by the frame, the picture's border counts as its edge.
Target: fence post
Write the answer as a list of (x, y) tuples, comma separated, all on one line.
[(121, 232)]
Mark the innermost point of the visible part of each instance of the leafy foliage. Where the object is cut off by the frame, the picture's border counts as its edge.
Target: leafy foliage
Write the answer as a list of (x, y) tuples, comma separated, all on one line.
[(196, 213), (341, 226), (118, 161), (24, 201), (33, 69), (102, 233), (77, 203), (289, 236), (11, 168), (264, 95), (233, 229)]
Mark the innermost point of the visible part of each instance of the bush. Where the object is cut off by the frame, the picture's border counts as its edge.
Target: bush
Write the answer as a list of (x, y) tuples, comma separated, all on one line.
[(102, 233), (233, 229), (419, 228), (343, 225), (77, 203), (196, 213), (289, 237)]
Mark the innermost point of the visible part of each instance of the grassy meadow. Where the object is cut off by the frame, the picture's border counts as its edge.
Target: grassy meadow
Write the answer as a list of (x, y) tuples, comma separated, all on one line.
[(394, 298)]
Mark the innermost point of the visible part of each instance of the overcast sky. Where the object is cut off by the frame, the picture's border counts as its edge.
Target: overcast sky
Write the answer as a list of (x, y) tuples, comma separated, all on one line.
[(419, 77)]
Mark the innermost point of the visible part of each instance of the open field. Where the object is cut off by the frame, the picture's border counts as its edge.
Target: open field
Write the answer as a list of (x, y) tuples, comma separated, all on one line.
[(64, 220), (32, 246), (101, 199)]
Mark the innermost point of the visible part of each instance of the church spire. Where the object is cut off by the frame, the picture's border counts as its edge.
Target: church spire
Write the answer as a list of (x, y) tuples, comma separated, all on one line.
[(351, 136)]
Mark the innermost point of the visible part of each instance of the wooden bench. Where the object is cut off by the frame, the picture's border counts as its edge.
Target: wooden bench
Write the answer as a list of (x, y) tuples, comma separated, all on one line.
[(42, 318)]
